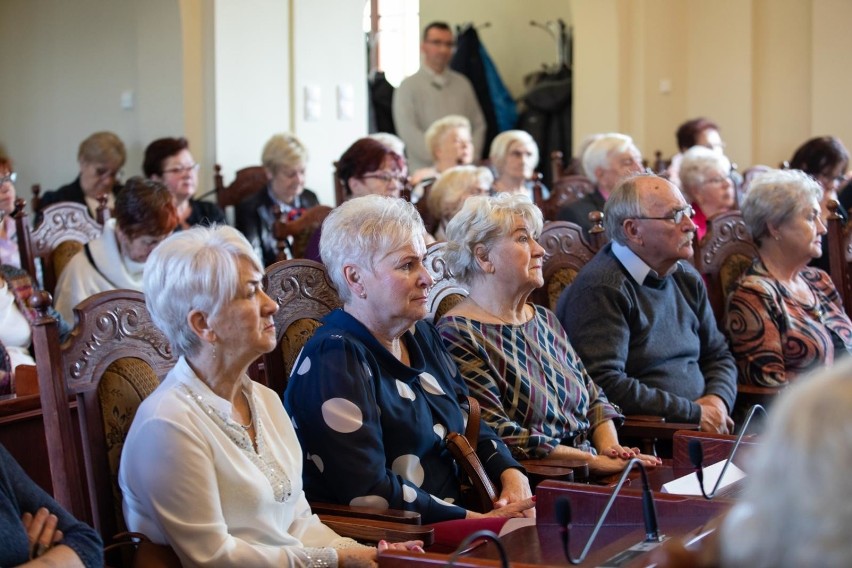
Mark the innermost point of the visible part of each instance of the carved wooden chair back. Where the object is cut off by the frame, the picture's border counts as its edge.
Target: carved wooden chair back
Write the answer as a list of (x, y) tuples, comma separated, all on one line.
[(566, 251), (565, 191), (64, 229), (304, 294), (301, 230), (446, 291), (247, 182), (114, 358), (840, 255), (722, 256)]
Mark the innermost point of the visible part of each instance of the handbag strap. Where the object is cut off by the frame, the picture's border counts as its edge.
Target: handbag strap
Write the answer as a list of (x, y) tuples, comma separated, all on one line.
[(471, 432)]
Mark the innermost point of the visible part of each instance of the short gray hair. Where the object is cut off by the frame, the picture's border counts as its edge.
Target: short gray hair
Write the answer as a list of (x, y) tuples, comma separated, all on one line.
[(598, 152), (774, 197), (440, 127), (283, 151), (696, 161), (482, 221), (196, 269), (364, 228), (392, 141), (500, 147), (623, 204), (453, 186), (777, 522)]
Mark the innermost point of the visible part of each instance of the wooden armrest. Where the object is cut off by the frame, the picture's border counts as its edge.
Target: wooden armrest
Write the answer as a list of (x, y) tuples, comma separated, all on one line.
[(644, 418), (369, 530), (578, 466), (538, 472), (644, 429), (388, 515)]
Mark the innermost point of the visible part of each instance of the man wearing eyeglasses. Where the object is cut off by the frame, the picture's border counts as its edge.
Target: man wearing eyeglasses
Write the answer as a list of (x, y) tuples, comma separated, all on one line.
[(434, 92), (638, 314)]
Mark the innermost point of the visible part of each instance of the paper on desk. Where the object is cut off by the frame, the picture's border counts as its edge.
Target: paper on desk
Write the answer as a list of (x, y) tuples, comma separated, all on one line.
[(688, 484), (519, 522)]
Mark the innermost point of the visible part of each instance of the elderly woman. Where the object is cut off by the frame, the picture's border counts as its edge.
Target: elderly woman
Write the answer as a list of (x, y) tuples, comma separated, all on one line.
[(514, 157), (705, 181), (785, 318), (449, 193), (515, 357), (144, 215), (169, 161), (695, 132), (450, 141), (284, 158), (367, 167), (793, 512), (374, 393), (8, 234), (227, 486), (100, 158), (35, 530)]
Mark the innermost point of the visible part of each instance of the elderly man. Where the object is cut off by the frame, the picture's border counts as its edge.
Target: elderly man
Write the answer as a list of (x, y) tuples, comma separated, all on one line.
[(608, 159), (639, 316), (432, 93)]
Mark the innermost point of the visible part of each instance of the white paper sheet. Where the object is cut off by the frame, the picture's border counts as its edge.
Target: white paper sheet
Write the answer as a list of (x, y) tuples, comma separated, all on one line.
[(688, 484)]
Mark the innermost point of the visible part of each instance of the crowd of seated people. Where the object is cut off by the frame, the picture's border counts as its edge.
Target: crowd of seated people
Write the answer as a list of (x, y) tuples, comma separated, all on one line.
[(706, 182)]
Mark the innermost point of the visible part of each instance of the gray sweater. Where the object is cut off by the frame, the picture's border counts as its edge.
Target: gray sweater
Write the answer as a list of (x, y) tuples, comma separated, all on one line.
[(421, 99), (654, 348)]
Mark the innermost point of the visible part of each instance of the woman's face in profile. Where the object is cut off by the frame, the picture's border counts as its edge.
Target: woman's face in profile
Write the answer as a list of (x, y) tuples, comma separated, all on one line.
[(519, 161), (398, 286)]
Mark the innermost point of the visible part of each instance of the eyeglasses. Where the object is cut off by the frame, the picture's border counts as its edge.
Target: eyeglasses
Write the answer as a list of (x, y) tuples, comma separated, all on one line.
[(10, 177), (180, 170), (718, 180), (387, 178), (676, 216), (105, 172)]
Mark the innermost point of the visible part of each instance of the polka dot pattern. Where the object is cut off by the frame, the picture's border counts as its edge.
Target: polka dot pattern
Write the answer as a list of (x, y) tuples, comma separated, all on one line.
[(440, 430), (409, 495), (405, 391), (317, 462), (376, 501), (430, 384), (342, 415), (304, 367), (408, 467)]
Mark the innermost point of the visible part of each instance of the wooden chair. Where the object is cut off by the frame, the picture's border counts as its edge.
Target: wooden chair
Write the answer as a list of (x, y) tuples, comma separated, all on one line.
[(722, 256), (64, 229), (247, 182), (565, 191), (301, 230), (750, 173), (446, 291)]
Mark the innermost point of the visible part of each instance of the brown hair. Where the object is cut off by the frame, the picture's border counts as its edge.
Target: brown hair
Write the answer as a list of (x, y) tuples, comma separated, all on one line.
[(144, 207)]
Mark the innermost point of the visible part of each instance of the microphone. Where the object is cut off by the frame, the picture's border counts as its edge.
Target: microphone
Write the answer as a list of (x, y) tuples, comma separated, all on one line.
[(696, 454), (467, 545), (649, 514)]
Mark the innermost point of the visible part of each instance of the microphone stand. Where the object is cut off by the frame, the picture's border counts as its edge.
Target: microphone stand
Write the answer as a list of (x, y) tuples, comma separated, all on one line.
[(649, 513), (696, 454), (467, 545)]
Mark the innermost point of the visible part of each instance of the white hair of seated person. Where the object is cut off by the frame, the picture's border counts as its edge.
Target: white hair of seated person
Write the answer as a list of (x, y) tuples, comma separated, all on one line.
[(774, 197), (695, 163), (597, 153), (440, 127), (795, 510), (503, 141), (196, 269), (449, 192)]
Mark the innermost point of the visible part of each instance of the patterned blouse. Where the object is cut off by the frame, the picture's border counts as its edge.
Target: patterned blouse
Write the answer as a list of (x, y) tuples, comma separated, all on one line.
[(532, 387), (773, 337), (373, 429)]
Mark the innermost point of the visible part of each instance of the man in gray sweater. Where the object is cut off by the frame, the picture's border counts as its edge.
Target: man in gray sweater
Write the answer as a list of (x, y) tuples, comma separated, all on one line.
[(639, 316), (434, 92)]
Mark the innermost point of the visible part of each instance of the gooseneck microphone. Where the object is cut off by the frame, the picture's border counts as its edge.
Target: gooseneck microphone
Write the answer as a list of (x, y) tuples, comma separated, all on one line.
[(696, 454), (649, 514), (468, 544)]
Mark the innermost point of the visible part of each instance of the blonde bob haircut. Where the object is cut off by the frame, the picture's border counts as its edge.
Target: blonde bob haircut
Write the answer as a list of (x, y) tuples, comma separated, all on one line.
[(283, 151), (483, 220), (448, 193), (364, 229), (102, 148), (503, 141), (442, 126)]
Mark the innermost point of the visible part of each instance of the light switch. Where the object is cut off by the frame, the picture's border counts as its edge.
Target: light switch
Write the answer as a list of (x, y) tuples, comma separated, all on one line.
[(313, 103), (345, 102)]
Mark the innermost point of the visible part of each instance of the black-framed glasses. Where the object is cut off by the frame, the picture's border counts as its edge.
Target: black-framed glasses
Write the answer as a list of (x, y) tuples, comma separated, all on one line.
[(180, 170), (387, 178), (676, 216), (10, 177)]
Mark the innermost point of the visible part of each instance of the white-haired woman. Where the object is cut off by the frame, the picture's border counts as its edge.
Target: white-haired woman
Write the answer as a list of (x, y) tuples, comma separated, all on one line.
[(705, 180), (284, 158), (226, 489), (450, 141), (374, 392), (450, 191), (793, 511), (514, 157), (516, 359), (785, 317)]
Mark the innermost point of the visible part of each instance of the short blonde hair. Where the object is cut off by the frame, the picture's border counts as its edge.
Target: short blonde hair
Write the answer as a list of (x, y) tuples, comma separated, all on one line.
[(102, 148), (501, 143), (448, 193), (440, 127), (283, 151), (483, 220)]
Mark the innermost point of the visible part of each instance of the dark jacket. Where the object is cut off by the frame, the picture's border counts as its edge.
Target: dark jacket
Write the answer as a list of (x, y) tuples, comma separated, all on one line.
[(72, 192)]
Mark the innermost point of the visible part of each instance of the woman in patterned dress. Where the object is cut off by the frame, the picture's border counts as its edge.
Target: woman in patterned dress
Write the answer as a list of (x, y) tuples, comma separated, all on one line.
[(785, 317), (515, 357), (374, 393)]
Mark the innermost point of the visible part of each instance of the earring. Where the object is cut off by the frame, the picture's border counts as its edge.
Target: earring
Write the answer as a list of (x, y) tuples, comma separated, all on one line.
[(363, 295), (777, 237)]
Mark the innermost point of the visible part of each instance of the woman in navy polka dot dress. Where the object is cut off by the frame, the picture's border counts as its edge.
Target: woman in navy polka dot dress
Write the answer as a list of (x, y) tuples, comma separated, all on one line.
[(374, 392)]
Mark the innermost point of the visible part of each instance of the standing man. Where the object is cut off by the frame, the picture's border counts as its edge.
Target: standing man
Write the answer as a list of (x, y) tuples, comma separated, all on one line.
[(432, 93), (638, 314)]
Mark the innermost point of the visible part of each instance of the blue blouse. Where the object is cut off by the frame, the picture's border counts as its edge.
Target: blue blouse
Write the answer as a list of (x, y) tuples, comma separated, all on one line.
[(372, 428)]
